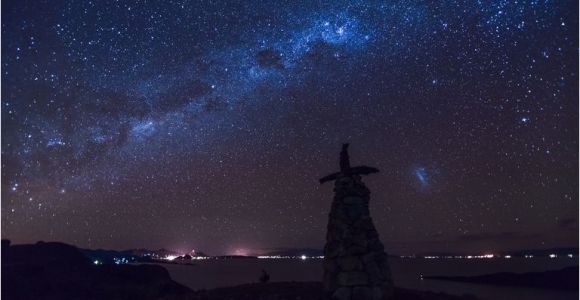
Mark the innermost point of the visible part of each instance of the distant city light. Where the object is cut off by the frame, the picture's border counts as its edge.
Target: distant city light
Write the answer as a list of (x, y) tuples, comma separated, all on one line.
[(508, 256), (456, 256), (302, 257), (570, 255), (269, 256), (170, 257), (553, 255), (119, 261), (96, 262)]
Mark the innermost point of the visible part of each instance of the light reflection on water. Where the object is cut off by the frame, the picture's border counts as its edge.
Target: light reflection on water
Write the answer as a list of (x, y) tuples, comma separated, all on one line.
[(406, 273)]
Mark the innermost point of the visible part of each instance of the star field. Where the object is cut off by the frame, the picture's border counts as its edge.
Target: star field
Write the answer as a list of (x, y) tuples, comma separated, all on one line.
[(203, 124)]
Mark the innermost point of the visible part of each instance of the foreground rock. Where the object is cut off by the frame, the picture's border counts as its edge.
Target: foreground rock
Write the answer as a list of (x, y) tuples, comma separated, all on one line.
[(304, 291), (61, 271), (355, 261), (564, 279)]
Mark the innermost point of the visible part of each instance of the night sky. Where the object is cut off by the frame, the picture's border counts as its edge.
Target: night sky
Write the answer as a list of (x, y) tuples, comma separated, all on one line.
[(206, 125)]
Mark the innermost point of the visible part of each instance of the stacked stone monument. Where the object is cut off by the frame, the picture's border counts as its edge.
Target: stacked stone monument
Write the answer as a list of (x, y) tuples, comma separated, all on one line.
[(355, 262)]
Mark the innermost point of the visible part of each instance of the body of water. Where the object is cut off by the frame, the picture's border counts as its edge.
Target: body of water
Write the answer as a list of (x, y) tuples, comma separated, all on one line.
[(406, 273)]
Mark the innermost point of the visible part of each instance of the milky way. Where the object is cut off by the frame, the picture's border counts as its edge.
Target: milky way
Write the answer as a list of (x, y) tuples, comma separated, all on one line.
[(206, 124)]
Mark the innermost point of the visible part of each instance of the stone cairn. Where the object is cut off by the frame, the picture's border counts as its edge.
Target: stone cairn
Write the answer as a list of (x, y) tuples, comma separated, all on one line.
[(355, 262)]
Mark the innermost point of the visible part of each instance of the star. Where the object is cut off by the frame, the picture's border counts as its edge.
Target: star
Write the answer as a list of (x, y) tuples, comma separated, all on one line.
[(421, 175)]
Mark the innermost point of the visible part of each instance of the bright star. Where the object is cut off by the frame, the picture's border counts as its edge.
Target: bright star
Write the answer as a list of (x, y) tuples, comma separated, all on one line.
[(421, 175)]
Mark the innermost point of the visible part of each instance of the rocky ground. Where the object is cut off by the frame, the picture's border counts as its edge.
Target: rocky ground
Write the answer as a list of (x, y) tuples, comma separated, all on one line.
[(564, 279), (303, 291)]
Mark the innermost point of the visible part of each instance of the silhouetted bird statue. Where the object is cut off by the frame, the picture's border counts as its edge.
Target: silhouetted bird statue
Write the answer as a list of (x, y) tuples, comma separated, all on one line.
[(346, 169), (265, 277)]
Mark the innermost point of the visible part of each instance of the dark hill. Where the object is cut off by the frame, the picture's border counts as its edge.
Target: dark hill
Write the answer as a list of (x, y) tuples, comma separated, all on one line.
[(60, 271)]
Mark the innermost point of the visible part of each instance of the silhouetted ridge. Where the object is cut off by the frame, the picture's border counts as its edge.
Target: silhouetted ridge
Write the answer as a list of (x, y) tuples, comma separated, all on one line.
[(61, 271)]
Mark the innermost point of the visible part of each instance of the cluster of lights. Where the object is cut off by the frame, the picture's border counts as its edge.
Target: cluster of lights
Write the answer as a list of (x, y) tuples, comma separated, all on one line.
[(466, 256), (121, 260), (200, 257), (302, 257), (483, 256), (173, 257)]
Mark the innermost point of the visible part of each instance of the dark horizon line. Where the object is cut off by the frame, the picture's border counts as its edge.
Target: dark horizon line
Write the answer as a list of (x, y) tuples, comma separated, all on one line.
[(569, 248)]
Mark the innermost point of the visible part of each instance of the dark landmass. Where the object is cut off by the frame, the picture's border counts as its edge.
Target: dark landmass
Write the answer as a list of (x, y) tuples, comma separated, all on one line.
[(560, 252), (297, 252), (294, 252), (564, 279), (545, 252), (144, 252), (161, 252), (304, 291), (137, 255), (515, 253), (109, 256), (60, 271), (146, 255), (234, 257)]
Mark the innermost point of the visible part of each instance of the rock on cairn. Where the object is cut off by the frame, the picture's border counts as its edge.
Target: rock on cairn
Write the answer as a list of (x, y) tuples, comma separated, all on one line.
[(355, 262)]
